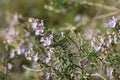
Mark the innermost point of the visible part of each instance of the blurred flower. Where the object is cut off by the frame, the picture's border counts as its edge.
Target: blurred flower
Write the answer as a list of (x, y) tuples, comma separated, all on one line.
[(9, 35), (88, 34), (109, 71), (97, 48), (63, 34), (49, 53), (34, 25), (101, 39), (15, 17), (12, 54), (48, 76), (18, 51), (93, 42), (109, 39), (46, 40), (112, 22), (73, 29), (9, 66), (47, 60), (115, 39), (28, 54), (35, 57), (30, 45), (77, 18), (3, 57), (37, 32)]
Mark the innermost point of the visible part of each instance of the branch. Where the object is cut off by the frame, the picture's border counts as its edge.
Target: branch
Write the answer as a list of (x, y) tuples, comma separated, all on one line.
[(99, 5), (30, 69), (107, 15)]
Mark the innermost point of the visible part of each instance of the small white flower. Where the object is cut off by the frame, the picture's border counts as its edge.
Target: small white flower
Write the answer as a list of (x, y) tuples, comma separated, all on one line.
[(112, 22)]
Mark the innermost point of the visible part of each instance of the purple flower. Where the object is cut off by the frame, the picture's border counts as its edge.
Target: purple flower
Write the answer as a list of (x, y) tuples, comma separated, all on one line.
[(112, 22)]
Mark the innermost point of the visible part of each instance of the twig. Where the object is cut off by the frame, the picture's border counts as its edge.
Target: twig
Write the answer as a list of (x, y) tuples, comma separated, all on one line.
[(30, 69), (106, 15), (99, 5), (74, 43)]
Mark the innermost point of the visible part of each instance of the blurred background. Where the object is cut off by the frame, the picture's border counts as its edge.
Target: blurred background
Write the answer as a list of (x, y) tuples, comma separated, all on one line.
[(60, 15)]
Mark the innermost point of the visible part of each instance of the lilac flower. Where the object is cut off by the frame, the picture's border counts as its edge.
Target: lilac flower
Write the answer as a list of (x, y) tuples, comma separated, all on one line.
[(47, 60), (37, 27), (10, 34), (46, 40), (101, 39), (18, 50), (88, 34), (35, 57), (30, 45), (28, 54), (41, 23), (34, 25), (48, 76), (109, 71), (12, 54), (37, 32), (115, 39), (97, 48), (15, 17), (9, 66), (49, 53), (112, 22), (77, 18), (109, 39)]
